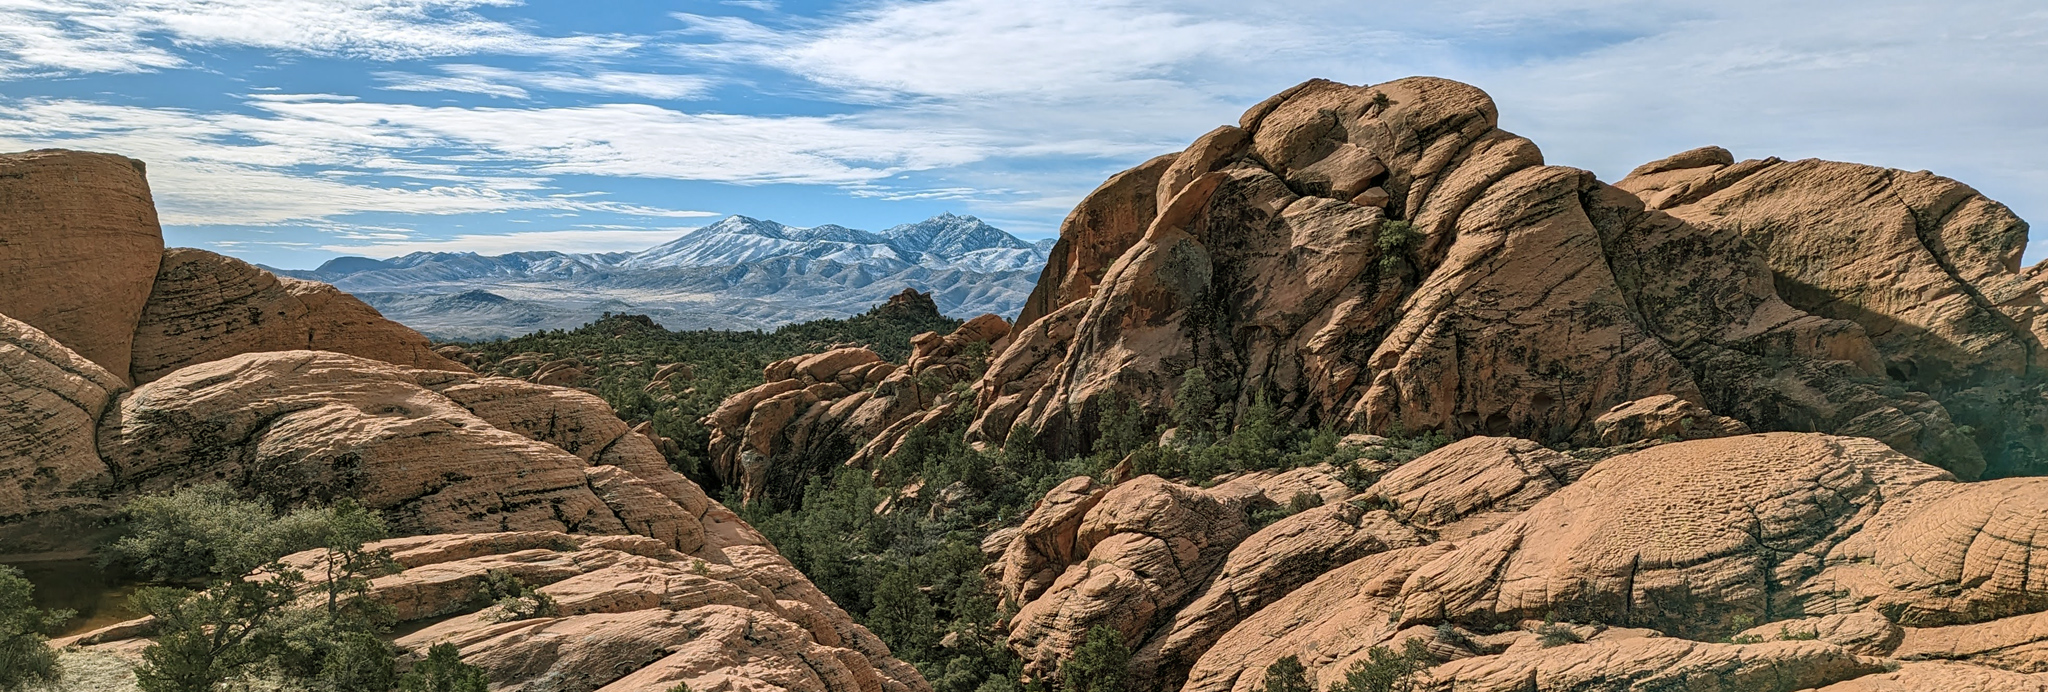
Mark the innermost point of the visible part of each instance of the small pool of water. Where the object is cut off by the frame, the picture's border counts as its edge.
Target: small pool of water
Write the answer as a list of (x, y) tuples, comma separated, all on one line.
[(80, 586)]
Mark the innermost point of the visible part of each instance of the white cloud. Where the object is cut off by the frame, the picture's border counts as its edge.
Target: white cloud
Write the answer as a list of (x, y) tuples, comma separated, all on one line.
[(644, 141), (225, 169), (298, 159), (1604, 84), (497, 81), (85, 36), (598, 240)]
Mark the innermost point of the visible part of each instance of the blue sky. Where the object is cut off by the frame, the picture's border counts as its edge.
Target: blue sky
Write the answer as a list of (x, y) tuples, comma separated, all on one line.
[(290, 131)]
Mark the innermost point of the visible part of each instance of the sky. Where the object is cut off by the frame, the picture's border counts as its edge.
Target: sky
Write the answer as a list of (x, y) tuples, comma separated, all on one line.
[(288, 132)]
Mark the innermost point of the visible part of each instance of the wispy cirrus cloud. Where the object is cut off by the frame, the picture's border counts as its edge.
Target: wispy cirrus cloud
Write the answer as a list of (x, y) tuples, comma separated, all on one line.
[(40, 37), (573, 240), (308, 158), (502, 82)]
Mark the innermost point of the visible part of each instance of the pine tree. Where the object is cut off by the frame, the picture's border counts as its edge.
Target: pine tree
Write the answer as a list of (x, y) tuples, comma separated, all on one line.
[(1288, 675), (1098, 665), (1194, 407), (444, 671), (903, 616), (24, 658)]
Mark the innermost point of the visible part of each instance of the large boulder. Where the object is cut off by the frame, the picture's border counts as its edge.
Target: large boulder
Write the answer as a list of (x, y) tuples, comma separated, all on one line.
[(51, 477), (1946, 554), (1137, 552), (1261, 570), (79, 247), (207, 307), (316, 426)]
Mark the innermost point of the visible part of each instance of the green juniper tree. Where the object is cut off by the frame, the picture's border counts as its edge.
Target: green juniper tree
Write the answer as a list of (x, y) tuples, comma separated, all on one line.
[(24, 658), (1098, 665), (1288, 675), (444, 671)]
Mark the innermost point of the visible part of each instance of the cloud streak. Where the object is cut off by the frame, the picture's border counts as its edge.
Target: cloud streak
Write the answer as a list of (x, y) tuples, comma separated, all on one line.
[(501, 82), (573, 241), (85, 36)]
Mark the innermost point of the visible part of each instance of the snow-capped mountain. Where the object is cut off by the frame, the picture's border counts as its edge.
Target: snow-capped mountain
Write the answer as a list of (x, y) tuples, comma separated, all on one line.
[(755, 272), (942, 242)]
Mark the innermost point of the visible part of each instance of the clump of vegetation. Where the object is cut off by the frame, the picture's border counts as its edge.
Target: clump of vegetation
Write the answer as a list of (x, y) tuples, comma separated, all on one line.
[(1552, 633), (1288, 675), (512, 599), (1098, 665), (229, 611), (1301, 502), (1386, 671), (1397, 242), (1785, 633), (24, 658), (444, 671)]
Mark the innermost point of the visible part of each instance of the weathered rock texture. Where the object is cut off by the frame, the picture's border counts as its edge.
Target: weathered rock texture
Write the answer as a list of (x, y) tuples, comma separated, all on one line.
[(206, 307), (1927, 266), (315, 426), (847, 405), (51, 476), (1378, 256), (1690, 540), (658, 568), (633, 613), (79, 244)]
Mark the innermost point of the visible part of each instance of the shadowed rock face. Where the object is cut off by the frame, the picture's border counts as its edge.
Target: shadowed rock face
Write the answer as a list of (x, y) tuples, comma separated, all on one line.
[(1927, 266), (51, 478)]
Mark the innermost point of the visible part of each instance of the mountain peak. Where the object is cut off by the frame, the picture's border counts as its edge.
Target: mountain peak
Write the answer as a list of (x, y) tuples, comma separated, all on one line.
[(951, 235)]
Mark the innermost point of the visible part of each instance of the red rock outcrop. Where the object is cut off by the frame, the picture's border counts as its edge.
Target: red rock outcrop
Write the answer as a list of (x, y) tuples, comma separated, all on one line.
[(51, 476), (206, 307), (1927, 266), (846, 405), (632, 614), (79, 245), (1373, 257)]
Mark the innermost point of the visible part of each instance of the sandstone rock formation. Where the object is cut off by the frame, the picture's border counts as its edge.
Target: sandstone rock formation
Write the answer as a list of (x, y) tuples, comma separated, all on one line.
[(1927, 266), (206, 307), (314, 426), (1854, 558), (1384, 257), (1378, 257), (50, 470), (79, 244), (821, 410), (633, 614)]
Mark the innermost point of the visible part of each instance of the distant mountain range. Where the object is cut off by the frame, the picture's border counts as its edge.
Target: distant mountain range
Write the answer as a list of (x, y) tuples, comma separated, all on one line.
[(738, 273)]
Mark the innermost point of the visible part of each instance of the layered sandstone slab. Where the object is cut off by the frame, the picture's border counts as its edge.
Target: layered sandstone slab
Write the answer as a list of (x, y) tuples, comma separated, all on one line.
[(79, 247), (51, 476), (632, 614), (205, 307)]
